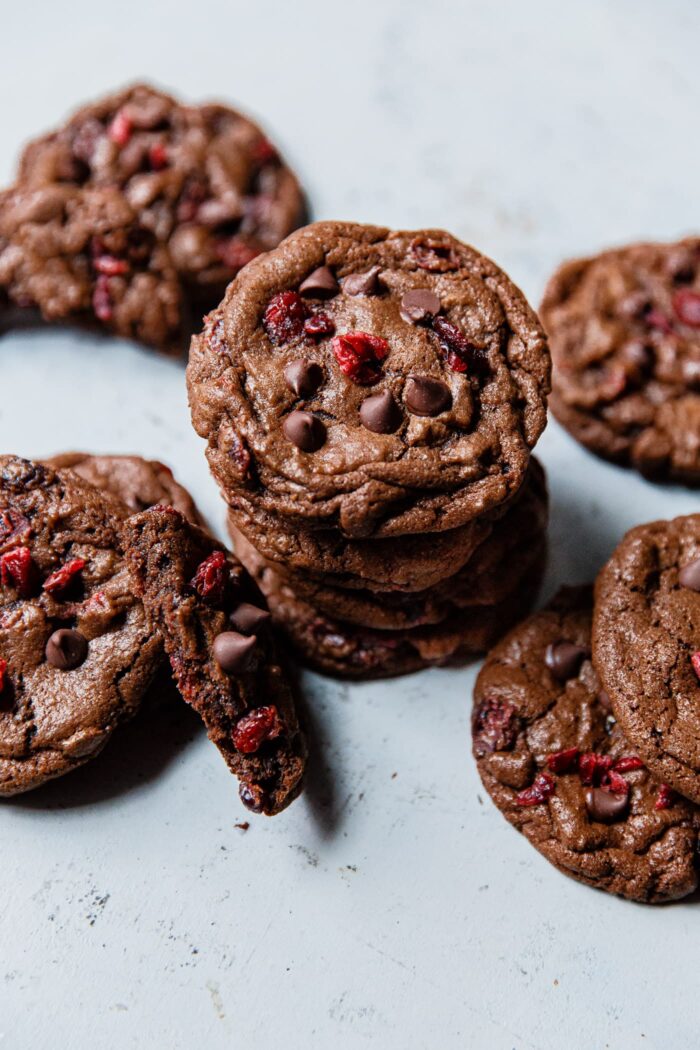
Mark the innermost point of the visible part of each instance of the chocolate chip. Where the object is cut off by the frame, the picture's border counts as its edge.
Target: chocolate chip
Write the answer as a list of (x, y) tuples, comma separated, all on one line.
[(305, 431), (66, 649), (232, 651), (425, 396), (689, 576), (362, 283), (418, 304), (253, 799), (247, 618), (303, 377), (604, 806), (380, 413), (564, 659), (321, 284)]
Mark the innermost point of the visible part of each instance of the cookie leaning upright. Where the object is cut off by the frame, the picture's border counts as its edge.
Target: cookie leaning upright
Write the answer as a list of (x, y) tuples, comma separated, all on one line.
[(214, 627), (383, 383), (646, 646), (76, 652), (624, 329)]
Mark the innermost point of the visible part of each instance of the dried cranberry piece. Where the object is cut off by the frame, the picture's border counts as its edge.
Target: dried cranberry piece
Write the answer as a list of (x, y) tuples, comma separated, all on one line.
[(263, 152), (235, 253), (496, 726), (695, 661), (17, 569), (13, 525), (209, 581), (434, 255), (284, 317), (102, 299), (318, 325), (665, 798), (61, 579), (255, 728), (686, 305), (459, 352), (627, 763), (615, 783), (121, 128), (563, 761), (592, 767), (539, 791), (3, 674), (657, 319), (110, 265), (358, 355), (158, 156)]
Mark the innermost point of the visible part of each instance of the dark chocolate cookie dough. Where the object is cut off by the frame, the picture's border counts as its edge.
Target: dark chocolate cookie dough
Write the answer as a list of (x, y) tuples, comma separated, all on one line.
[(646, 646), (381, 383), (200, 191), (557, 765), (624, 329), (76, 652), (215, 629)]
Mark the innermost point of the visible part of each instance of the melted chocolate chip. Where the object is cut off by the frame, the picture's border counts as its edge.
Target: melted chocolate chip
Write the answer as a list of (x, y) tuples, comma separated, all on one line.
[(419, 304), (564, 659), (66, 649), (689, 576), (233, 651), (362, 283), (321, 284), (604, 806), (303, 377), (425, 396), (305, 431), (380, 413), (255, 801), (247, 618)]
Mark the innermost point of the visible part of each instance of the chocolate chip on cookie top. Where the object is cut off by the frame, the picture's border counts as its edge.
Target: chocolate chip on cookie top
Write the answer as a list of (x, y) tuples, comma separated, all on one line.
[(77, 653), (383, 382), (215, 630), (646, 643), (557, 765), (624, 329), (203, 179)]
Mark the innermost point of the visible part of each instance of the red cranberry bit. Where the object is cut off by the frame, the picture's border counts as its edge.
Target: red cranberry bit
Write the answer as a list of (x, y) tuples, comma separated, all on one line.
[(102, 299), (319, 325), (563, 761), (495, 726), (358, 355), (686, 305), (459, 352), (627, 764), (656, 319), (264, 152), (13, 526), (615, 783), (209, 581), (284, 317), (542, 787), (665, 798), (110, 265), (17, 569), (3, 674), (695, 661), (255, 728), (433, 255), (158, 156), (593, 767), (61, 579), (235, 253), (121, 128)]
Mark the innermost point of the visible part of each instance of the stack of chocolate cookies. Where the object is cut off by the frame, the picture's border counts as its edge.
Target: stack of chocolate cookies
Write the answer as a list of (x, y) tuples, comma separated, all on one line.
[(370, 401)]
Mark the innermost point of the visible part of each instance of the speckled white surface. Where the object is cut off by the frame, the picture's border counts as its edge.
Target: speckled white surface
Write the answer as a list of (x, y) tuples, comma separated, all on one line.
[(392, 906)]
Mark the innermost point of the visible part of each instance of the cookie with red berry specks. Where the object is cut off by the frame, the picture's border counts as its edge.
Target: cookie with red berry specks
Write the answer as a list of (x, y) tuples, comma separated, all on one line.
[(76, 652), (558, 766), (216, 632), (624, 328), (646, 646), (381, 383), (204, 189)]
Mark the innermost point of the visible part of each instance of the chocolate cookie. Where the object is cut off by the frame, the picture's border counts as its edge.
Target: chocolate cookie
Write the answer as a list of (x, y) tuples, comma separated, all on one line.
[(557, 765), (624, 329), (139, 483), (646, 646), (381, 383), (76, 652), (493, 573), (346, 650), (202, 186), (214, 626)]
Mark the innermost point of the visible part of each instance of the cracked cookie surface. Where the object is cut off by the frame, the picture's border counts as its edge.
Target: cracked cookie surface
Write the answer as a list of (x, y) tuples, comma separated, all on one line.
[(557, 765)]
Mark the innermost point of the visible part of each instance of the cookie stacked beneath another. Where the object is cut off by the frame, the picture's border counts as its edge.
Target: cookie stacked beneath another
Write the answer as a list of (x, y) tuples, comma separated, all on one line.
[(370, 401)]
